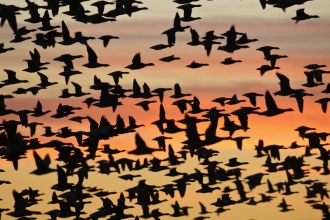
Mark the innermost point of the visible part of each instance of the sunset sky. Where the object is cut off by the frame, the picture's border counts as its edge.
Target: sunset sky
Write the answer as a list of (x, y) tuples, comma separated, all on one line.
[(304, 43)]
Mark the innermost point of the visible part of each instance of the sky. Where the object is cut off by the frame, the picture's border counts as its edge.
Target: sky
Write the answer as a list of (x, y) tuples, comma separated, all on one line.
[(304, 43)]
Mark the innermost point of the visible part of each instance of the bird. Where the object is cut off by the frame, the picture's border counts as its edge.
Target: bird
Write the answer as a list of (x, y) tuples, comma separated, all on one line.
[(145, 104), (300, 101), (12, 78), (252, 97), (137, 64), (106, 38), (44, 81), (229, 61), (272, 108), (324, 103), (141, 147), (169, 58), (3, 49), (195, 65), (46, 26), (92, 59), (78, 90), (285, 88), (301, 15)]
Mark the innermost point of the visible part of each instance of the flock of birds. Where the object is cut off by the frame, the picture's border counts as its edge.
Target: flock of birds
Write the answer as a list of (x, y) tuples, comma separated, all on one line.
[(71, 198)]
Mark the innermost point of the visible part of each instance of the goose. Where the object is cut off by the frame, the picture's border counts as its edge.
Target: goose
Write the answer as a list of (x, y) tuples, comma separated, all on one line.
[(4, 50), (187, 14), (48, 132), (272, 108), (78, 36), (182, 104), (46, 26), (38, 110), (252, 97), (42, 164), (78, 91), (195, 65), (20, 207), (208, 45), (195, 106), (141, 147), (169, 58), (327, 89), (116, 75), (285, 88), (266, 50), (99, 85), (211, 36), (324, 103), (299, 97), (310, 80), (245, 40), (67, 39), (170, 38), (314, 66), (160, 92), (177, 24), (229, 60), (145, 104), (265, 68), (106, 39), (301, 15), (234, 100), (67, 73), (44, 81), (32, 67), (12, 78), (8, 13), (194, 38), (137, 64), (100, 6), (67, 59), (92, 59), (178, 93)]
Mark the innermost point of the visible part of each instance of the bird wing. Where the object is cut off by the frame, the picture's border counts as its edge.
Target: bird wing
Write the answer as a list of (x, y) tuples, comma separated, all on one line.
[(136, 59), (284, 81), (270, 102)]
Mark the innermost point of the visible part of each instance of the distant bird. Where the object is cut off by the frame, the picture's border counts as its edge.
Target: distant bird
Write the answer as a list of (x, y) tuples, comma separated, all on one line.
[(324, 103), (44, 81), (301, 15), (12, 78), (300, 101), (4, 50), (285, 88), (137, 64), (145, 104), (314, 66), (245, 40), (266, 50), (106, 39), (169, 58), (92, 59), (141, 147), (178, 93), (42, 164), (252, 97), (68, 72), (229, 61), (272, 108), (187, 10), (46, 26), (195, 65), (194, 38), (78, 90)]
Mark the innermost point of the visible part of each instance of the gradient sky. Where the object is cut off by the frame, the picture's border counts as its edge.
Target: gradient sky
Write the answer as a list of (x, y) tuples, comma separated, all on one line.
[(304, 43)]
